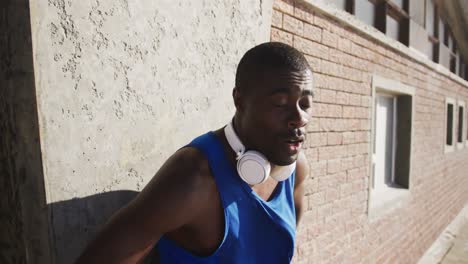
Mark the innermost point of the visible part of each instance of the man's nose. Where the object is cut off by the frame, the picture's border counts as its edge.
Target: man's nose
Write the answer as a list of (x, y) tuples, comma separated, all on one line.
[(298, 119)]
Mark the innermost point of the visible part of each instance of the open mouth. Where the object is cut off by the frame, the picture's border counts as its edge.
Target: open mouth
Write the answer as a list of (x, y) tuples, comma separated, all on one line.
[(294, 143)]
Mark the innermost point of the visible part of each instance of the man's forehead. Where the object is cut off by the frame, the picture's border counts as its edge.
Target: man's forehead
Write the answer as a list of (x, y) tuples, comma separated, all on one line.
[(287, 79)]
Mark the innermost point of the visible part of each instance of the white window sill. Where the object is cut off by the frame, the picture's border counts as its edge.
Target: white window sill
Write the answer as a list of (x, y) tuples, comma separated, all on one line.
[(383, 201), (449, 148)]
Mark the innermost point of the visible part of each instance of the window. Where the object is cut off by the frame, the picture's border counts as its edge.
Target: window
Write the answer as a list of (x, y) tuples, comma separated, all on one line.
[(399, 3), (391, 144), (446, 34), (453, 63), (365, 11), (393, 28), (430, 17), (449, 124), (340, 4), (461, 124)]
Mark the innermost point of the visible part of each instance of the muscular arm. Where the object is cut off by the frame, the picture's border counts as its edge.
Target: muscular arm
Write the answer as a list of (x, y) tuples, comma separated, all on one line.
[(302, 172), (170, 200)]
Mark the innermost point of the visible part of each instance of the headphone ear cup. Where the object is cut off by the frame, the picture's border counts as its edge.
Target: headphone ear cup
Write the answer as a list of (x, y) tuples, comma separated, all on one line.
[(284, 172), (253, 167)]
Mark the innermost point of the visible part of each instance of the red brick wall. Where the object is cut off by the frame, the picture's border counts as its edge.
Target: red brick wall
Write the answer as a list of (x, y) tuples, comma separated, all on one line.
[(336, 227)]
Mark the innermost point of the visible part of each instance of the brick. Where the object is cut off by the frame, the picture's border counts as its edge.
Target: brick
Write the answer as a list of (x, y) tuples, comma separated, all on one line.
[(337, 56), (322, 22), (332, 68), (342, 98), (334, 138), (349, 137), (313, 125), (331, 125), (348, 163), (324, 210), (311, 154), (354, 99), (316, 199), (329, 39), (281, 36), (314, 63), (332, 152), (327, 96), (317, 139), (293, 25), (333, 166), (311, 48), (312, 32), (351, 74), (310, 185), (366, 101), (285, 6), (331, 194), (358, 185), (277, 19), (318, 169), (355, 174), (346, 190), (303, 12), (348, 112), (344, 45)]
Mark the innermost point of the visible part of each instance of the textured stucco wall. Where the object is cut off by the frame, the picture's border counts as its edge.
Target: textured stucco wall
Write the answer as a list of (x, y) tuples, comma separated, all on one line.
[(123, 84)]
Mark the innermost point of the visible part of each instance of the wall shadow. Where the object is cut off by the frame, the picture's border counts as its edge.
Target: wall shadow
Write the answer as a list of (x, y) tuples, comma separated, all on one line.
[(77, 221), (23, 218)]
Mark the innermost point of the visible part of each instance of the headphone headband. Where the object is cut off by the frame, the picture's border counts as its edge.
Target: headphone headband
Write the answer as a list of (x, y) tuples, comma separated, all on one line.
[(234, 140)]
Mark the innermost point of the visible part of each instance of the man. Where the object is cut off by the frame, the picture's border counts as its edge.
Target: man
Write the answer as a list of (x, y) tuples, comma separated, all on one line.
[(197, 208)]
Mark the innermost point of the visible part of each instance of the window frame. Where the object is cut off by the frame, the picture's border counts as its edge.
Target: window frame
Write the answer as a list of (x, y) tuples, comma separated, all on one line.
[(449, 148), (382, 201)]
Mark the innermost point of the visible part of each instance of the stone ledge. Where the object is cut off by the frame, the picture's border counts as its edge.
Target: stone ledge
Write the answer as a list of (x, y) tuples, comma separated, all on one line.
[(347, 19)]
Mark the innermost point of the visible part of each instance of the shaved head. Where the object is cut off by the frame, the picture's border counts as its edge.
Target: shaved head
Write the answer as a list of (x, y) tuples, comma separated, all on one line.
[(266, 57)]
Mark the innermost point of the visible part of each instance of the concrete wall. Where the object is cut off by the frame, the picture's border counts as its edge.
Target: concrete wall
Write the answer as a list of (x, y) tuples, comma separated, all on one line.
[(120, 86), (345, 55)]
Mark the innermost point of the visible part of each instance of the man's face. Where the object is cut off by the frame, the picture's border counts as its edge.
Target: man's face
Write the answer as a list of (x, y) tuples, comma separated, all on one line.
[(274, 112)]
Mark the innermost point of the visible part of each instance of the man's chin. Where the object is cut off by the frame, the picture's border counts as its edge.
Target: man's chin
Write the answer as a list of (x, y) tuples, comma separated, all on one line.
[(285, 161)]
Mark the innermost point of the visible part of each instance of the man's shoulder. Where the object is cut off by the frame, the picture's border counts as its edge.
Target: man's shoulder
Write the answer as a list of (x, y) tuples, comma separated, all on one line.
[(192, 164), (302, 168)]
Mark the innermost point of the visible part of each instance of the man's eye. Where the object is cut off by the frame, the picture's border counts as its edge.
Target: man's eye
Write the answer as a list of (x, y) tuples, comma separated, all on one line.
[(280, 102)]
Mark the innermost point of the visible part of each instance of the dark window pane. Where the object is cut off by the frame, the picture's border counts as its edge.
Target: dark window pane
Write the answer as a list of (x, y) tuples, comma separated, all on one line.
[(460, 124), (453, 64), (449, 124), (392, 28), (446, 35), (340, 4), (365, 11)]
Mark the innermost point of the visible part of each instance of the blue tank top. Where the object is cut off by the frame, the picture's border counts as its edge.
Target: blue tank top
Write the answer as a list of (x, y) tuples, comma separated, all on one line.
[(255, 230)]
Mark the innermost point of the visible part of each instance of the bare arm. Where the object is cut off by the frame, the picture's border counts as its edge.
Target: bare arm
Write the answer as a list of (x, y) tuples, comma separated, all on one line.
[(302, 172), (170, 200)]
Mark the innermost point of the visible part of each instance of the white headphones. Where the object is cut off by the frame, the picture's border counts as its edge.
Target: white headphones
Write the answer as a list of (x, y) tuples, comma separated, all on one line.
[(252, 166)]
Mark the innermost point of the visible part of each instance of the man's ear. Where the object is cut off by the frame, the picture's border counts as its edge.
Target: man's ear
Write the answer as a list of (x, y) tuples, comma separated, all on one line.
[(236, 95)]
